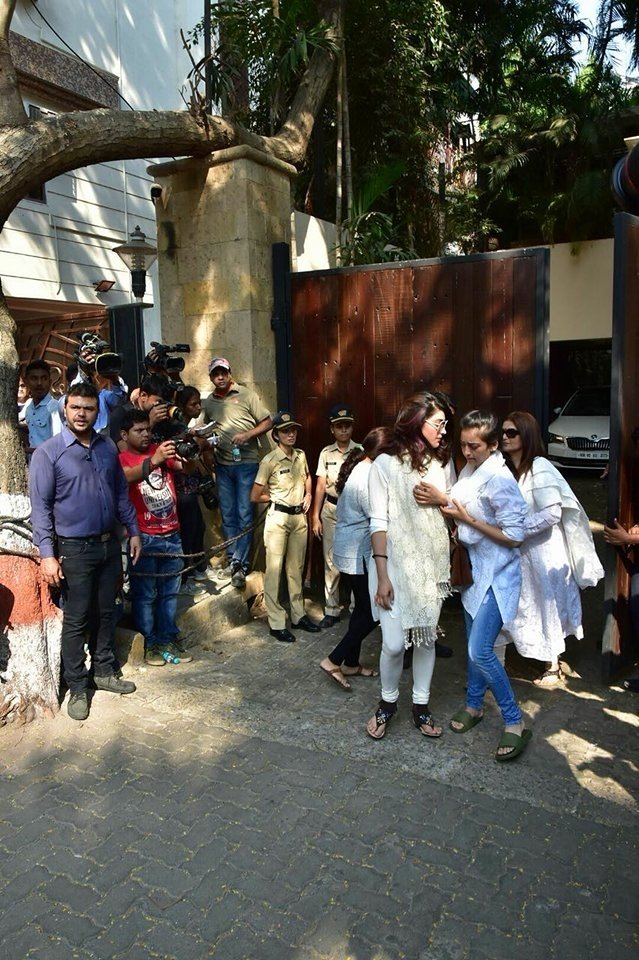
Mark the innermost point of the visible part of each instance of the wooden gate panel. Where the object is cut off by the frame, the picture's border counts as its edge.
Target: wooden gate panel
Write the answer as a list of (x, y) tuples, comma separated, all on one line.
[(475, 327)]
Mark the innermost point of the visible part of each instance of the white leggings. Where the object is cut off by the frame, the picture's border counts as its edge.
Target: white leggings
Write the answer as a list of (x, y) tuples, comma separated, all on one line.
[(391, 661)]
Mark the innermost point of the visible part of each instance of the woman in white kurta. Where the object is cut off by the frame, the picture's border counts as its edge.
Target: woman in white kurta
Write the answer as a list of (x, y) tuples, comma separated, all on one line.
[(410, 575), (489, 510), (557, 556)]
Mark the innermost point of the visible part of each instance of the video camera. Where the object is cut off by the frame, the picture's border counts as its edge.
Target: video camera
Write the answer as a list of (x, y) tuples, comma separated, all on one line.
[(159, 359), (94, 355)]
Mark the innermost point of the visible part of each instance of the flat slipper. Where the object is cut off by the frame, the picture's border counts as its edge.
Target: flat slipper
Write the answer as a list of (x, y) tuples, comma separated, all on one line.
[(362, 672), (467, 720), (346, 687), (518, 743)]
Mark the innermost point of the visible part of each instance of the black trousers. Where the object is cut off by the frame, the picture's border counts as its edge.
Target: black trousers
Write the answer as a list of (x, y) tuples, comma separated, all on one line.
[(191, 530), (360, 624), (92, 573)]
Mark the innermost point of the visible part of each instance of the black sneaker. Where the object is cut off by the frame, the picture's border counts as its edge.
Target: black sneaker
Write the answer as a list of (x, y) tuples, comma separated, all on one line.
[(78, 705), (113, 684), (239, 576)]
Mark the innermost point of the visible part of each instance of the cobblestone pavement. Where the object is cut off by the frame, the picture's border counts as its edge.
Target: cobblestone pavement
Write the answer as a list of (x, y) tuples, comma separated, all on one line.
[(235, 808)]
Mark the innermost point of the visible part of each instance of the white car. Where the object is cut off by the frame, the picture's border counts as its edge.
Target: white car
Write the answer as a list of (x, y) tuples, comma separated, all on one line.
[(580, 436)]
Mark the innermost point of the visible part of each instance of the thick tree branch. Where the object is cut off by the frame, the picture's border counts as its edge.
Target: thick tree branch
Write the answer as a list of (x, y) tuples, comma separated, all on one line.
[(12, 110)]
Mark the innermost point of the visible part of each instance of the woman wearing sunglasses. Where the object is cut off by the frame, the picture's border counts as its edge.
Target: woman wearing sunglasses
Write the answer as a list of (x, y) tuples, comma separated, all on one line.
[(410, 573), (557, 556)]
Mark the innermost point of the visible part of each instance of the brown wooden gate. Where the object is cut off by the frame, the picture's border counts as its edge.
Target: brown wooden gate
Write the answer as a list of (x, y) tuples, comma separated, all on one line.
[(476, 327), (619, 641)]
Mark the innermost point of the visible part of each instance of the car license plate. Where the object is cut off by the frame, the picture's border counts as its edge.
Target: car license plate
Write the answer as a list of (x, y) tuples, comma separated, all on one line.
[(583, 455)]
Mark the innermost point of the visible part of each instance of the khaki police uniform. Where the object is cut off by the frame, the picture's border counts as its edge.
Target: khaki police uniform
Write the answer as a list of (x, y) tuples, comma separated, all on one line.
[(285, 532), (329, 465)]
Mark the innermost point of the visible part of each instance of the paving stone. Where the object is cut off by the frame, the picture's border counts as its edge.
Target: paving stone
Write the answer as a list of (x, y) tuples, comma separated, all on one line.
[(154, 832)]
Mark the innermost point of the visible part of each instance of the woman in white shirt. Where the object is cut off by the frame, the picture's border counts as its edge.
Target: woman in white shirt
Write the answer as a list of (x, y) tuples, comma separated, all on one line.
[(351, 555), (490, 511), (411, 573), (557, 556)]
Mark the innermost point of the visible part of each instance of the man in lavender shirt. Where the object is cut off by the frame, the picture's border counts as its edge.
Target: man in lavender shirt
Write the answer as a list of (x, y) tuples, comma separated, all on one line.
[(78, 496)]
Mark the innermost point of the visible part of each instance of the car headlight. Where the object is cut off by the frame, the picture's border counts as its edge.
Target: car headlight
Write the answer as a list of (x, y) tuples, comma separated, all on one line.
[(556, 438)]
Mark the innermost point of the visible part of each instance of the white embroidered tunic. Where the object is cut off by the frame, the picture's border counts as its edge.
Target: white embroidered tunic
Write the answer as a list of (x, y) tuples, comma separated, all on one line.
[(417, 544)]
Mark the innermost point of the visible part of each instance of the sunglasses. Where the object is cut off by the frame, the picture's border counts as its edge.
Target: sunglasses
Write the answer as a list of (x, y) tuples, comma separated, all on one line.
[(510, 432)]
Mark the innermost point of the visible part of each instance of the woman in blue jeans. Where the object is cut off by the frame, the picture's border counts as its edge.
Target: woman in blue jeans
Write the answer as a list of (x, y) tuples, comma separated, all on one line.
[(488, 507)]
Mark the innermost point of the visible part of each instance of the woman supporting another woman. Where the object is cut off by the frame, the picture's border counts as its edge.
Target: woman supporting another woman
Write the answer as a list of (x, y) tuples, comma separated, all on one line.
[(557, 556), (490, 511), (351, 555), (411, 572)]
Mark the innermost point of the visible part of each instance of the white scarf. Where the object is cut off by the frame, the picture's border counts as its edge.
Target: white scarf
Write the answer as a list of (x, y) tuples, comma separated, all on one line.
[(420, 551), (549, 487)]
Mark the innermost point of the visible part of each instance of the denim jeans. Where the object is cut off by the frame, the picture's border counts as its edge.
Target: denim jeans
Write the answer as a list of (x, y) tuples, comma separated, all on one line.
[(92, 573), (234, 482), (484, 668), (153, 597)]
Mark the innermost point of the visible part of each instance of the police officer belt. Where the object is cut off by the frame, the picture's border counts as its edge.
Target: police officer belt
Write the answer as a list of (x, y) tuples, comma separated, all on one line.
[(330, 498), (282, 507)]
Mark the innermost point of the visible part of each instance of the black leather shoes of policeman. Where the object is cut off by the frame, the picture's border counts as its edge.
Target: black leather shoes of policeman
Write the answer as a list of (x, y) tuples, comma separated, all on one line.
[(328, 621), (113, 684), (285, 636), (306, 624)]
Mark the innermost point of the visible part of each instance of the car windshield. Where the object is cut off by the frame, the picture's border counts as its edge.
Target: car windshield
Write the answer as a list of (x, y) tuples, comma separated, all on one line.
[(589, 402)]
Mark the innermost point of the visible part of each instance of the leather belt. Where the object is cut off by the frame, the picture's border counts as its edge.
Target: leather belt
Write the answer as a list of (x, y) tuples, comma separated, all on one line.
[(283, 508), (96, 538), (331, 499)]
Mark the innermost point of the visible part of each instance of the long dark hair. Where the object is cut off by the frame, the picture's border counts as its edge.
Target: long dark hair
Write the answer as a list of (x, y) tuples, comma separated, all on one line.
[(532, 444), (408, 430), (378, 440)]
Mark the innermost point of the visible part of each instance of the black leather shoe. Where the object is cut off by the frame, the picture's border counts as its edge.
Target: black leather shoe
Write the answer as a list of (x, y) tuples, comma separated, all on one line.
[(441, 650), (78, 705), (328, 621), (306, 624), (113, 684), (285, 636)]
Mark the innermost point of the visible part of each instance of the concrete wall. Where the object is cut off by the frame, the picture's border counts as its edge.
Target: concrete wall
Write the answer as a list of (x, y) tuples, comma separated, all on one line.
[(581, 290), (56, 250), (312, 243)]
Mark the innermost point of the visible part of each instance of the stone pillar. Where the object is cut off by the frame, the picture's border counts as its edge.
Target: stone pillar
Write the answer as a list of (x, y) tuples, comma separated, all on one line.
[(217, 219)]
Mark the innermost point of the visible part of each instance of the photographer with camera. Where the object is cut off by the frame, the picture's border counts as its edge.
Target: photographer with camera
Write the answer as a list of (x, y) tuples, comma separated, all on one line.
[(241, 418), (154, 397), (150, 470), (97, 364)]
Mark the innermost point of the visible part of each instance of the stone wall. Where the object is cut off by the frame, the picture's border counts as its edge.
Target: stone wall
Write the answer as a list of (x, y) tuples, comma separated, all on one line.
[(217, 221)]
